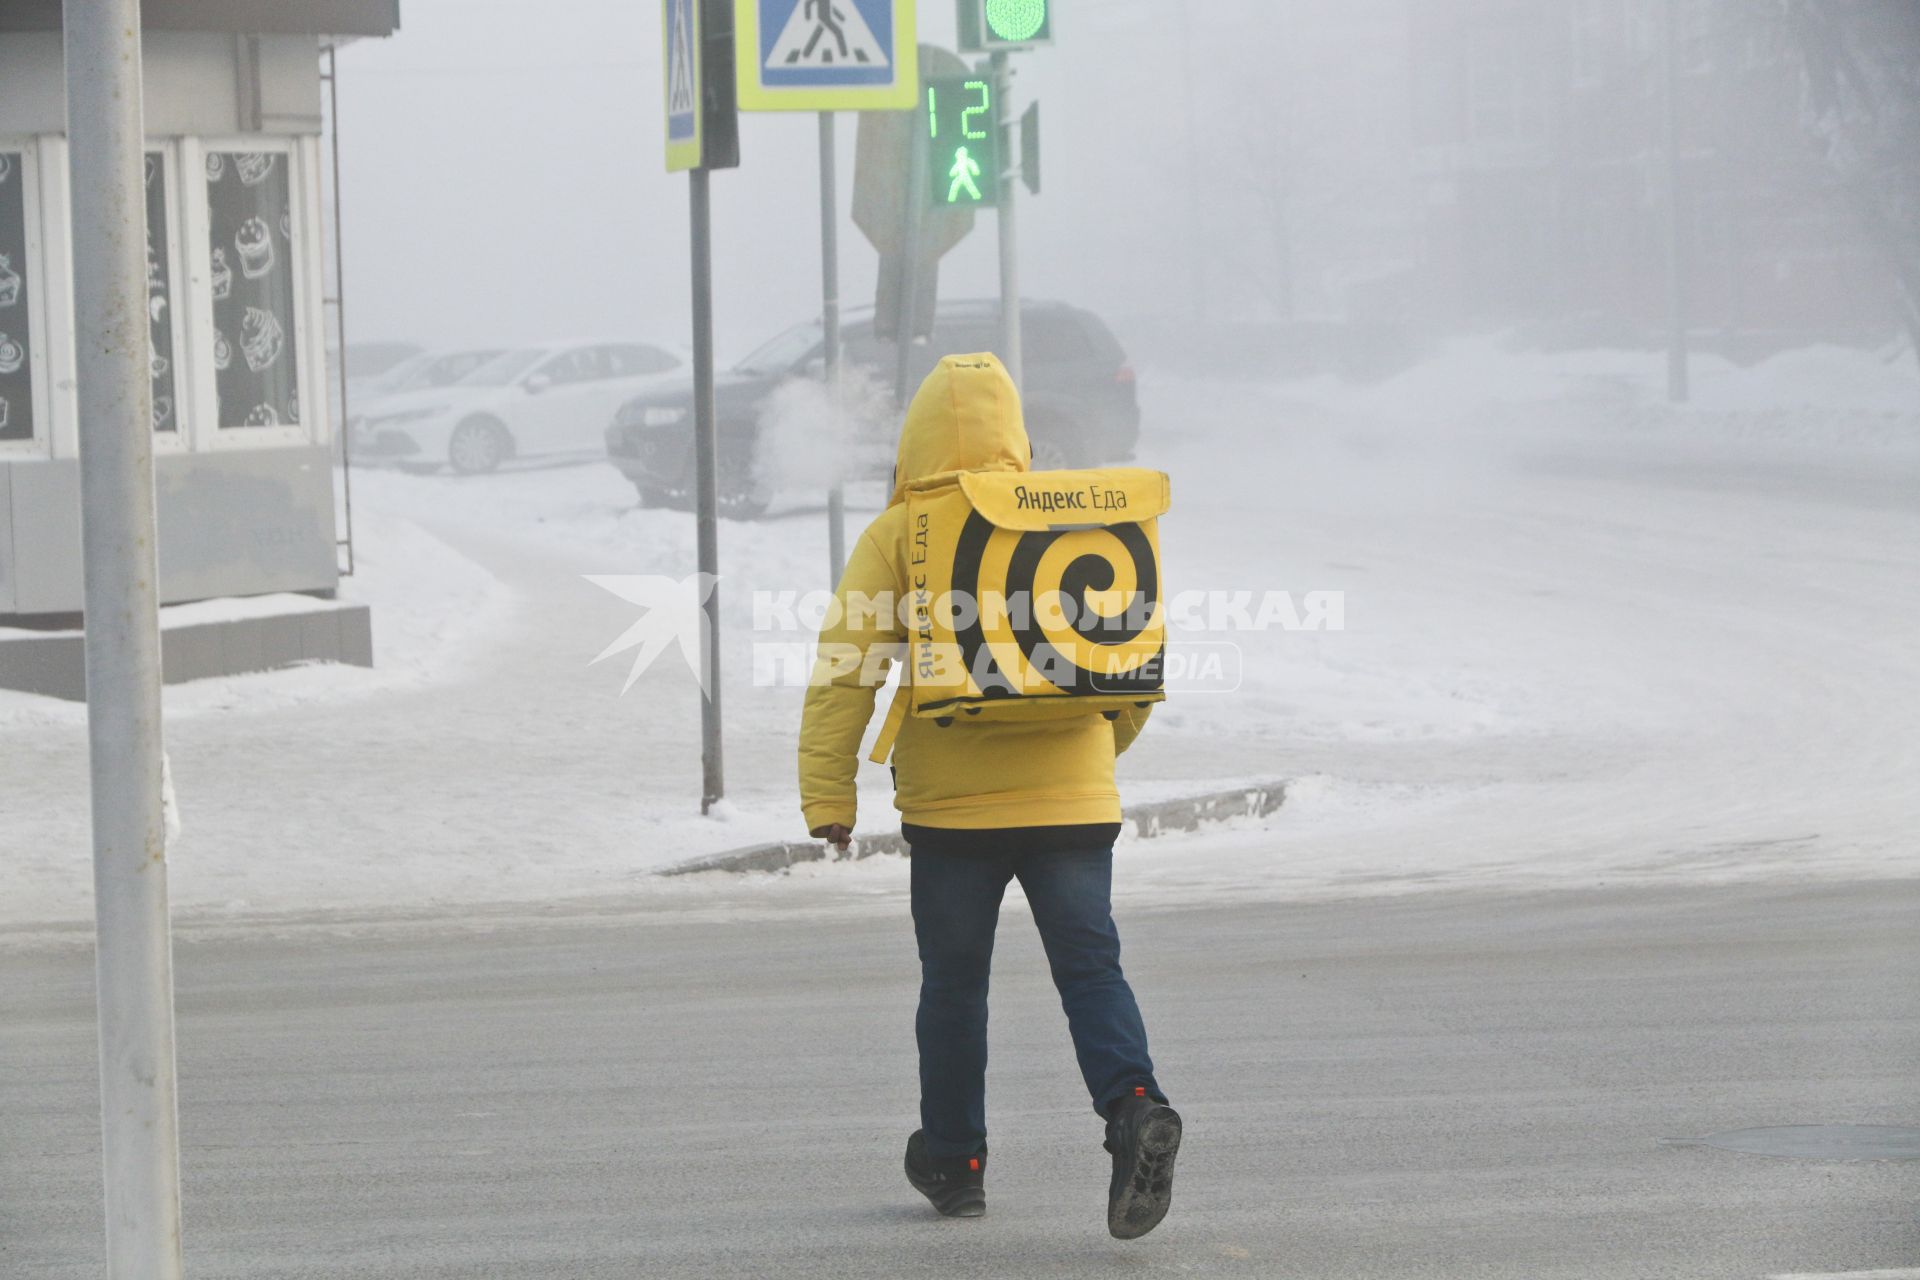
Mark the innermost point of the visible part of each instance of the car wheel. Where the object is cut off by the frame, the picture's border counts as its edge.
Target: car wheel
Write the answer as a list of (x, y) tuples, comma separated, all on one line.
[(478, 445), (744, 502), (1054, 448), (744, 495)]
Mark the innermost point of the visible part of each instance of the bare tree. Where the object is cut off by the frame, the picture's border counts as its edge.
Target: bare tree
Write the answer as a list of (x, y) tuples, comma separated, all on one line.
[(1862, 64)]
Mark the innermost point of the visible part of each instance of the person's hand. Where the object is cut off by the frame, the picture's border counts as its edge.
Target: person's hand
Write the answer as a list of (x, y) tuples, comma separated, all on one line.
[(836, 835)]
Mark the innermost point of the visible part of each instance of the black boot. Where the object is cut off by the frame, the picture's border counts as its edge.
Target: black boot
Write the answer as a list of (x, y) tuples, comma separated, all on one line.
[(955, 1184), (1144, 1137)]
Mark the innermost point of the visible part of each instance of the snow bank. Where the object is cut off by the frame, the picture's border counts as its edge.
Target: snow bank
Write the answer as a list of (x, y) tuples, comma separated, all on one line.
[(431, 608), (1586, 637), (1823, 394)]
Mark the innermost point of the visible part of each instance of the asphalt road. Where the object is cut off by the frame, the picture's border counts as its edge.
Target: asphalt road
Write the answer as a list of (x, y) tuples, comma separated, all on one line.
[(1431, 1085)]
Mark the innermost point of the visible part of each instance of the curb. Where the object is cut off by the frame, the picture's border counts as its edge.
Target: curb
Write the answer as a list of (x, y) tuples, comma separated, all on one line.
[(1146, 820)]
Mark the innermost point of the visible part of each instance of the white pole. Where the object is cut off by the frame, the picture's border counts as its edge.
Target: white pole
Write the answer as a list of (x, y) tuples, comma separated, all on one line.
[(140, 1140), (706, 471)]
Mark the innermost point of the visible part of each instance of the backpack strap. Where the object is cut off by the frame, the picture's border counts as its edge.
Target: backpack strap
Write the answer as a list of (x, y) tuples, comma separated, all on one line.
[(890, 728)]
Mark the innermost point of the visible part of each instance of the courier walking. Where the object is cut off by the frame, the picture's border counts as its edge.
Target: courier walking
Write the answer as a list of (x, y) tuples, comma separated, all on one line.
[(1027, 607)]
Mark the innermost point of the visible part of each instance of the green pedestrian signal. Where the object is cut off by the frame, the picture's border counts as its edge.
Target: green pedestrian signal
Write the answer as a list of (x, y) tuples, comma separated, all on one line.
[(963, 142), (965, 170), (987, 26), (1017, 21)]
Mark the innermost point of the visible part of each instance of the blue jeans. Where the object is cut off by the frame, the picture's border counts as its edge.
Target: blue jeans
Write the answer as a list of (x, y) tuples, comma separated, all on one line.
[(956, 904)]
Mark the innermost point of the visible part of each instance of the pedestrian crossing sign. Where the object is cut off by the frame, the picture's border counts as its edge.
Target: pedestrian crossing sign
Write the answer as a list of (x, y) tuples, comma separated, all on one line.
[(681, 32), (826, 55)]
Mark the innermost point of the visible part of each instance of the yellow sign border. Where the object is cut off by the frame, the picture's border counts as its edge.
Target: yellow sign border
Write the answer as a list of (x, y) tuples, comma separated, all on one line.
[(902, 95), (682, 156)]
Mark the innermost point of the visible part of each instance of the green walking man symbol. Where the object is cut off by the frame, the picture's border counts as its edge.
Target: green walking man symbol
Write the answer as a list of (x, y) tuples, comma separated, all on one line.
[(965, 170)]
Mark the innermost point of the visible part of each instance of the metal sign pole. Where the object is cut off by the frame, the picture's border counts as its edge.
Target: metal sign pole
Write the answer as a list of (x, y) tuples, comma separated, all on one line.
[(830, 324), (706, 484), (911, 218), (1007, 123), (140, 1127)]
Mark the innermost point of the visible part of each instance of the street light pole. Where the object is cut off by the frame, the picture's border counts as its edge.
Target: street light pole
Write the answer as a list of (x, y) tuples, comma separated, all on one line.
[(1195, 237), (1677, 241), (140, 1127)]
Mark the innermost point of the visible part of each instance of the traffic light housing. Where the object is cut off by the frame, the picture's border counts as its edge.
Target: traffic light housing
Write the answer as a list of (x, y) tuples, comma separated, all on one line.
[(720, 122), (987, 26), (963, 141)]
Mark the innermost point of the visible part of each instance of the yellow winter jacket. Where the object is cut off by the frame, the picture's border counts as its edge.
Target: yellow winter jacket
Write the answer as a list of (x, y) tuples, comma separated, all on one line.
[(965, 417)]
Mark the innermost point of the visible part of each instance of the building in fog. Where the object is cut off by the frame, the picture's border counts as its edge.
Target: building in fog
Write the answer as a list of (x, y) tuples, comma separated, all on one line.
[(1540, 163)]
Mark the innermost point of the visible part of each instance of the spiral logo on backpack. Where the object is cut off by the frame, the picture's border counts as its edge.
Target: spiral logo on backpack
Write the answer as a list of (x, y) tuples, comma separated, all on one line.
[(1032, 596), (1069, 611)]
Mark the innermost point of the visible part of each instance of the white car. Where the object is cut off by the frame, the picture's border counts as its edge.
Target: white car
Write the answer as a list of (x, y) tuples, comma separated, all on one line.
[(427, 370), (556, 398)]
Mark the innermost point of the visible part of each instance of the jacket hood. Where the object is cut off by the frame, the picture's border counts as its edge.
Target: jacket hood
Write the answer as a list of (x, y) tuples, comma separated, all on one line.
[(965, 417)]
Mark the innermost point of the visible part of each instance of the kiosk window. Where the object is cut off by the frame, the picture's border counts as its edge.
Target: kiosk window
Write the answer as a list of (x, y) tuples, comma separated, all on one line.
[(166, 398), (255, 328), (16, 333)]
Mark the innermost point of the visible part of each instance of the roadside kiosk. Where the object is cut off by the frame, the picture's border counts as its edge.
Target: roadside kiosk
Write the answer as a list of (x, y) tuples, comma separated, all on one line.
[(242, 436)]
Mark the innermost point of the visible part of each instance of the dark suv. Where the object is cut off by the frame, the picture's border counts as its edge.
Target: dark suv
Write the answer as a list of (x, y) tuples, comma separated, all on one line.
[(1079, 397)]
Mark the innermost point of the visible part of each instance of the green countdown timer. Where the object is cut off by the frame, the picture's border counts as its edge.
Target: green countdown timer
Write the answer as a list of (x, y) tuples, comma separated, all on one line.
[(1017, 21), (963, 143)]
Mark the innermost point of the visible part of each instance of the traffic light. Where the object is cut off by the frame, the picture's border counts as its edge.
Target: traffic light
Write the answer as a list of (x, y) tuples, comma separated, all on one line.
[(990, 25), (963, 141), (720, 129)]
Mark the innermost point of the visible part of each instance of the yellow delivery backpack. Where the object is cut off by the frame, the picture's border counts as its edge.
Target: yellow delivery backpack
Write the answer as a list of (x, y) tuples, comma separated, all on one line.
[(1032, 595)]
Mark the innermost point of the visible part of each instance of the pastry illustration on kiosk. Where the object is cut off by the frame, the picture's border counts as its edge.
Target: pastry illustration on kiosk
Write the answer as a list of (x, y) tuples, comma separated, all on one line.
[(254, 243), (162, 410), (253, 167), (222, 351), (216, 166), (262, 415), (9, 282), (11, 355), (222, 276), (260, 338), (154, 285)]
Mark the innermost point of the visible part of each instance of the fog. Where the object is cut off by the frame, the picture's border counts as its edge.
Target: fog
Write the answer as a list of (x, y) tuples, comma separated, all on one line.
[(1399, 280), (1432, 166), (1508, 408), (503, 179)]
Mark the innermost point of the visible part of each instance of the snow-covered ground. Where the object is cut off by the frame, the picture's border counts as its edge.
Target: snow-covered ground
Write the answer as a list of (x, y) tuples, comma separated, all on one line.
[(1587, 638)]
